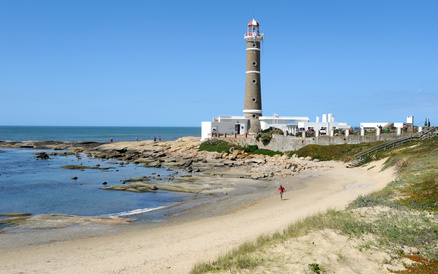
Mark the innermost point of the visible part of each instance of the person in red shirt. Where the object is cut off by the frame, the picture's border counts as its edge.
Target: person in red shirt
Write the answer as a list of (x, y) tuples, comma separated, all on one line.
[(281, 189)]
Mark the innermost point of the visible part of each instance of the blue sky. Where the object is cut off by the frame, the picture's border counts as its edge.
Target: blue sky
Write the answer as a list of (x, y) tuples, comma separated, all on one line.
[(177, 63)]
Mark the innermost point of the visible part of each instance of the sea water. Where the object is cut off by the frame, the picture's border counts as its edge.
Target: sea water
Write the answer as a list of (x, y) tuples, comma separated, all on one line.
[(34, 186), (94, 134)]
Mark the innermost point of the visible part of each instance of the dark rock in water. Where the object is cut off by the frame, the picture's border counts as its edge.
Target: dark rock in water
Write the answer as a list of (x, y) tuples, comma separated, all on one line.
[(104, 183), (41, 155), (74, 178), (15, 214)]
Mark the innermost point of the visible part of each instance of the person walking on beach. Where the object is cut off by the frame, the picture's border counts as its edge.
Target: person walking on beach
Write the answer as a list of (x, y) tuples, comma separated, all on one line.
[(281, 189)]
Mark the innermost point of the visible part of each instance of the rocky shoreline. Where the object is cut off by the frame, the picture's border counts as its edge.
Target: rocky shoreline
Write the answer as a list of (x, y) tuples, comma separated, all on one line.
[(234, 175)]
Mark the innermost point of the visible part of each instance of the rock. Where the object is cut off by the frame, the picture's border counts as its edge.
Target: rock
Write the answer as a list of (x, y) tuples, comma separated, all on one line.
[(104, 183), (15, 214), (415, 250), (41, 155), (316, 160), (74, 178), (188, 163)]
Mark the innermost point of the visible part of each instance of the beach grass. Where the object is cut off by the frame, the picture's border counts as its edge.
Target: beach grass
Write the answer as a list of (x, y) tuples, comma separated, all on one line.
[(401, 220)]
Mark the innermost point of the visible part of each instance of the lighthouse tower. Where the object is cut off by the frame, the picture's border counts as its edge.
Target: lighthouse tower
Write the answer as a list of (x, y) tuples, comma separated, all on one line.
[(253, 96)]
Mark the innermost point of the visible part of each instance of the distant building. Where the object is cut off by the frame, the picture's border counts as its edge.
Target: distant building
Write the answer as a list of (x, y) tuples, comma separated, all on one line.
[(374, 125), (324, 126)]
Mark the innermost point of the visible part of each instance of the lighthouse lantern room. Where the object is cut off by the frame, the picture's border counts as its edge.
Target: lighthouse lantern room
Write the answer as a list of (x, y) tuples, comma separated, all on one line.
[(253, 29)]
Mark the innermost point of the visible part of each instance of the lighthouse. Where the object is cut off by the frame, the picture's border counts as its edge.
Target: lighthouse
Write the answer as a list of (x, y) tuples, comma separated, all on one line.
[(253, 97), (252, 120)]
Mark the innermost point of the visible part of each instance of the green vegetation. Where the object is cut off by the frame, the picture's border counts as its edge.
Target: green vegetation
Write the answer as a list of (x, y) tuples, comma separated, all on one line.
[(343, 152), (224, 146), (400, 217), (267, 152), (266, 135), (315, 268), (217, 146)]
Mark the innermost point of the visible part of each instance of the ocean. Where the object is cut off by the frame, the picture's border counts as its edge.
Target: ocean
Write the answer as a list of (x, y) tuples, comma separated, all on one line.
[(34, 186), (94, 134)]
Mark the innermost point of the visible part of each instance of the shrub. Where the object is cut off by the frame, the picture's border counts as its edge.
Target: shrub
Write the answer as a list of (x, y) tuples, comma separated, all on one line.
[(250, 148), (217, 145)]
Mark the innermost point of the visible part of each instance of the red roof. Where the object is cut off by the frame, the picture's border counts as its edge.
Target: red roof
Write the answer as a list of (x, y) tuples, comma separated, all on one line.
[(253, 23)]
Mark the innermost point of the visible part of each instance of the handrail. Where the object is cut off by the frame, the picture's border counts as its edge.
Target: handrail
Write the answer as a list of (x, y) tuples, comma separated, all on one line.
[(360, 158)]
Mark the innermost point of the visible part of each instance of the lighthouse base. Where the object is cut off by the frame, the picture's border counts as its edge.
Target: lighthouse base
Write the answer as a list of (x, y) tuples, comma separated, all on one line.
[(254, 125)]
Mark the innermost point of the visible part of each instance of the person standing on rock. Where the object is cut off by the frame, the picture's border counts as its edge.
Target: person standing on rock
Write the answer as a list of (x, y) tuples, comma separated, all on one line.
[(281, 189)]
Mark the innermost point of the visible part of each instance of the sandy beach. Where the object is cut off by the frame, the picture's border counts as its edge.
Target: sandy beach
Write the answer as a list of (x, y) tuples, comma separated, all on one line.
[(175, 246)]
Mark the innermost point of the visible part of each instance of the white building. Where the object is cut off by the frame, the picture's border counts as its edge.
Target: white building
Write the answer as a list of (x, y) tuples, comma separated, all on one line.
[(373, 125), (231, 125), (288, 124), (224, 125), (324, 126)]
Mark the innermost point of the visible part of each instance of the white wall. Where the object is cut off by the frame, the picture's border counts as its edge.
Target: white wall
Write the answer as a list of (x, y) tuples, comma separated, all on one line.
[(205, 130), (372, 125), (224, 126)]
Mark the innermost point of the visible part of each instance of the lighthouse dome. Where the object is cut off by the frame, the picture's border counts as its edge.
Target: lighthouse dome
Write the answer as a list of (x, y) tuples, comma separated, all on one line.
[(253, 23)]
